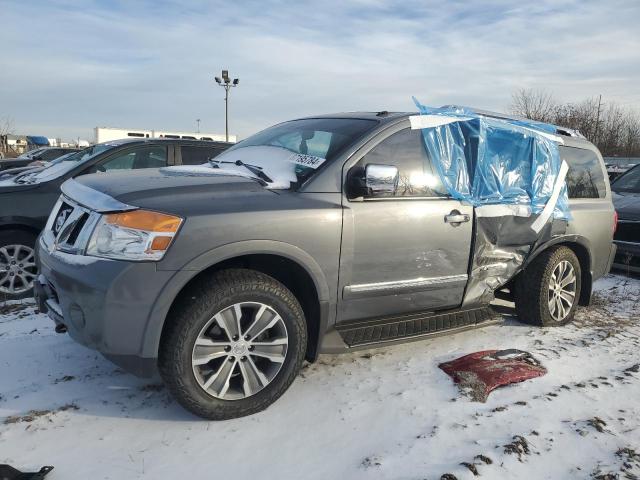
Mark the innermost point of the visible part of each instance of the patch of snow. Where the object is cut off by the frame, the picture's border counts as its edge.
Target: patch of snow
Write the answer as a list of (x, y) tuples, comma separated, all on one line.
[(387, 413)]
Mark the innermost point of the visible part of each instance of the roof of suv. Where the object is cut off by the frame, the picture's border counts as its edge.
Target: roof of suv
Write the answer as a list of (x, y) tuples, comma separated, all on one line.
[(569, 136)]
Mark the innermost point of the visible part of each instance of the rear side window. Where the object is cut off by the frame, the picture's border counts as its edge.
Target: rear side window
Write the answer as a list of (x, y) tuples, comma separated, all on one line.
[(195, 155), (585, 178), (136, 158)]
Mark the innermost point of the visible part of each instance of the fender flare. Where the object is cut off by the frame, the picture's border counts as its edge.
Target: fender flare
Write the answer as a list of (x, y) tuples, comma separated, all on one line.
[(8, 223), (166, 297), (579, 239)]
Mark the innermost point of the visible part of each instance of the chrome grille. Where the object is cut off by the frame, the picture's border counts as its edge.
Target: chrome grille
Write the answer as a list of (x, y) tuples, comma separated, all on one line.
[(70, 225)]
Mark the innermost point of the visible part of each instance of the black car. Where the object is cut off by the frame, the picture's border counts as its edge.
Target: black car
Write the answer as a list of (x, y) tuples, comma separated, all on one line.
[(626, 198), (27, 196), (45, 154)]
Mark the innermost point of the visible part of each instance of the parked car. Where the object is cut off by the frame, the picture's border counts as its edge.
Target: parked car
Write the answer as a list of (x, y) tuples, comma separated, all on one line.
[(626, 199), (45, 154), (294, 242), (27, 196)]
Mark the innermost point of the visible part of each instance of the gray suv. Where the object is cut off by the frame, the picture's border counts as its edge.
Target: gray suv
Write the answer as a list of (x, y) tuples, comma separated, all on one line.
[(312, 236)]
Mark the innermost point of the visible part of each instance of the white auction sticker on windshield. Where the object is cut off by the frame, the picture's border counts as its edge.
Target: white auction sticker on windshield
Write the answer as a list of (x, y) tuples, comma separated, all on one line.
[(310, 161)]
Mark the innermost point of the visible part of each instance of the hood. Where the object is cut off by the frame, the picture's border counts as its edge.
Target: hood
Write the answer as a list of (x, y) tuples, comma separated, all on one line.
[(627, 205), (175, 190)]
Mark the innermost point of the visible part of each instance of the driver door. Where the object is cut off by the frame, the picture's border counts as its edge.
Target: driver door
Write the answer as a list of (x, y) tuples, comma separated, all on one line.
[(402, 252)]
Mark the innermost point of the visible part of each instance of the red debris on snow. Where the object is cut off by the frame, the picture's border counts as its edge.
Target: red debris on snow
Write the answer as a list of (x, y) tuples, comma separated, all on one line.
[(482, 372)]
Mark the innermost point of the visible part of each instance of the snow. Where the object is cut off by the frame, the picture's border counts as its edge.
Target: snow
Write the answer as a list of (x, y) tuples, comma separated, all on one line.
[(388, 413)]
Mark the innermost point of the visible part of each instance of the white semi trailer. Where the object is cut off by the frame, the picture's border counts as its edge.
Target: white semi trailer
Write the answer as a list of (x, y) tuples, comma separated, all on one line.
[(105, 134)]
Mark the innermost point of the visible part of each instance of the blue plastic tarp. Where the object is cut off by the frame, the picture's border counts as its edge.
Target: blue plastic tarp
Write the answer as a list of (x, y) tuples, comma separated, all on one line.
[(38, 140), (489, 161)]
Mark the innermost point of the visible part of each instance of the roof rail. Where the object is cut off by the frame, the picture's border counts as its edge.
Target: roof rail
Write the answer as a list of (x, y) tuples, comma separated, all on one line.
[(567, 132)]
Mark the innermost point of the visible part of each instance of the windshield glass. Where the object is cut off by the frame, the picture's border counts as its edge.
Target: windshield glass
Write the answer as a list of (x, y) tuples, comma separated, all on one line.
[(63, 165), (31, 153), (290, 153), (628, 182)]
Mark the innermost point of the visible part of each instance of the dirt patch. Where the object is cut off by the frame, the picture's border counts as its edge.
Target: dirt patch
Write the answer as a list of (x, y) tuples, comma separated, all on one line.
[(519, 446), (33, 415)]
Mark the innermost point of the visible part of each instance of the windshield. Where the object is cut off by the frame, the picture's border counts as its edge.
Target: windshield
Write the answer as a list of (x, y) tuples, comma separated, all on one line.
[(32, 153), (292, 152), (628, 182), (63, 165)]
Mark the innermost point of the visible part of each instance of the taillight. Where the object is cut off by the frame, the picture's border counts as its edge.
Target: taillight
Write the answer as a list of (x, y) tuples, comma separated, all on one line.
[(615, 221)]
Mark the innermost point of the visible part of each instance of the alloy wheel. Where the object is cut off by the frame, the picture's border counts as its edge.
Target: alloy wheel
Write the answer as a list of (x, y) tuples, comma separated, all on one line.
[(562, 290), (240, 351), (18, 269)]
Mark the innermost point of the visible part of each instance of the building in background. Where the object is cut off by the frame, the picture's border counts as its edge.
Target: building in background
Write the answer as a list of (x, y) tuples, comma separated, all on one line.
[(105, 134)]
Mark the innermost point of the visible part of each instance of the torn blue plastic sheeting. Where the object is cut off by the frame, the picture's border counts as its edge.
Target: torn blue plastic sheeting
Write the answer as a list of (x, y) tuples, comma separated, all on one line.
[(488, 161)]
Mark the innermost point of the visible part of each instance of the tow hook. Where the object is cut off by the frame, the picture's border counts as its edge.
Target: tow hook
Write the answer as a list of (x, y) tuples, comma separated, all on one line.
[(61, 328)]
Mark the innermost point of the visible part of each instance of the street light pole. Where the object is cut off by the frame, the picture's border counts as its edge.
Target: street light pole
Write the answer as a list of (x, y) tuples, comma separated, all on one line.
[(198, 121), (226, 83)]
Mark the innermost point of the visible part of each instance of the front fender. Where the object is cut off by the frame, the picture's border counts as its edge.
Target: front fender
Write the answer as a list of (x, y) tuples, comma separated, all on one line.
[(158, 314)]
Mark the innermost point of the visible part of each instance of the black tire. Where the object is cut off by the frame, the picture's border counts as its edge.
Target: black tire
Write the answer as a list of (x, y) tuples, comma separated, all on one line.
[(532, 288), (16, 237), (190, 315)]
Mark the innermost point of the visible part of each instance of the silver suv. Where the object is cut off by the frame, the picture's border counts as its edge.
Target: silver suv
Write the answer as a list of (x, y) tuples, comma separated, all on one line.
[(318, 235)]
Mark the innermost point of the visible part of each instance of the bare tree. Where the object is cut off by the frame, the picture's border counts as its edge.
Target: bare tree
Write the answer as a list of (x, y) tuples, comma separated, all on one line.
[(534, 104), (6, 127), (614, 129)]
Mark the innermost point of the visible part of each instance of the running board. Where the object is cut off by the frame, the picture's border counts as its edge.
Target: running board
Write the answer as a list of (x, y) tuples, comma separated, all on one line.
[(388, 329)]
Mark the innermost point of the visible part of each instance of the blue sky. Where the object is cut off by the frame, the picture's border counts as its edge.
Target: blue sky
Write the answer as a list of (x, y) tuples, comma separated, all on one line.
[(68, 66)]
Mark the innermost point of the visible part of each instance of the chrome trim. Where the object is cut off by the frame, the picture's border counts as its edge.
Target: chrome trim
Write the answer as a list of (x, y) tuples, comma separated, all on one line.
[(399, 286), (59, 241), (626, 243), (93, 199)]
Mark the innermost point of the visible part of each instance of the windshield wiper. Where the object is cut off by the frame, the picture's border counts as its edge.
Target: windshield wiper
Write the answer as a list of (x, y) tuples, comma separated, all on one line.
[(256, 170)]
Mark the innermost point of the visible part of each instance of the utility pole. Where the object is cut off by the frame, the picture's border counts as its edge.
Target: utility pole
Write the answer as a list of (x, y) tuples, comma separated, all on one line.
[(597, 120), (226, 83), (198, 122)]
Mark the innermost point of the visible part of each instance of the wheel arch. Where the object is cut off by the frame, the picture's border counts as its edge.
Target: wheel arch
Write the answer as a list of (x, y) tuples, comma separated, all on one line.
[(293, 267), (21, 224)]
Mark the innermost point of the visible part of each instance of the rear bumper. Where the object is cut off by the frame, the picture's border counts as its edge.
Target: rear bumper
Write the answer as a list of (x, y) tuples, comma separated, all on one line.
[(627, 256), (103, 304)]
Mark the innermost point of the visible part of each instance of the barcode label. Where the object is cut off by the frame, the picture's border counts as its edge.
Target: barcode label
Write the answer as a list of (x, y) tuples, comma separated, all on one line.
[(310, 161)]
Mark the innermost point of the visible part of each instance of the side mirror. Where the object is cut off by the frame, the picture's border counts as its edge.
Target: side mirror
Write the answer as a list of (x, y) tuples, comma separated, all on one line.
[(381, 180)]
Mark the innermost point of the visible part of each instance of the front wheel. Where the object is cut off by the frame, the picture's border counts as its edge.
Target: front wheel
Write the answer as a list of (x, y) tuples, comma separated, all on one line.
[(547, 292), (18, 268), (233, 345)]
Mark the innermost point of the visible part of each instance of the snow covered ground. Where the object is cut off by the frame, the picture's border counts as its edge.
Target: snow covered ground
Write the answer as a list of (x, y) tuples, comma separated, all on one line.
[(385, 413)]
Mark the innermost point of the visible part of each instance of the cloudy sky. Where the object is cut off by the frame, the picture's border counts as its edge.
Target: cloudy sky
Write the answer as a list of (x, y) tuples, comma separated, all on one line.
[(68, 66)]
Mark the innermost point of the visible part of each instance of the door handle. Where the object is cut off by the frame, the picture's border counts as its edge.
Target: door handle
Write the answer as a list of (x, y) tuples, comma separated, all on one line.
[(455, 218)]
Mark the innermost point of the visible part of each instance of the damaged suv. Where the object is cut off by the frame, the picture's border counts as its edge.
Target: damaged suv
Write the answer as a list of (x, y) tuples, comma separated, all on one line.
[(323, 235)]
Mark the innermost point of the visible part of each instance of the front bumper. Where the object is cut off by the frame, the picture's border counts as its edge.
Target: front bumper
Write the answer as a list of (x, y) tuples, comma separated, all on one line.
[(104, 304), (628, 256)]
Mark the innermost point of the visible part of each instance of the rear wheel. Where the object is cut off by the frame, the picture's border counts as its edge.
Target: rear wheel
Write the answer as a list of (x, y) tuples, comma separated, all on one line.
[(547, 292), (233, 345), (18, 268)]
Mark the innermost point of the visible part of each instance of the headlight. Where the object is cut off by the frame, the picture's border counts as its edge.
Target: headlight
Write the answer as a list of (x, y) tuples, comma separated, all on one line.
[(135, 235)]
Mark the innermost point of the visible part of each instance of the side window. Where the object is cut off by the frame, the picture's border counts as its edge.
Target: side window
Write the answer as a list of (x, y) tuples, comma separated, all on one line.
[(585, 178), (195, 155), (141, 157), (417, 176), (51, 154)]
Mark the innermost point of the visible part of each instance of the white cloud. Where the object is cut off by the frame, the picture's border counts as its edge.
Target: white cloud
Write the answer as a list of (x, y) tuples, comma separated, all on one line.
[(66, 68)]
